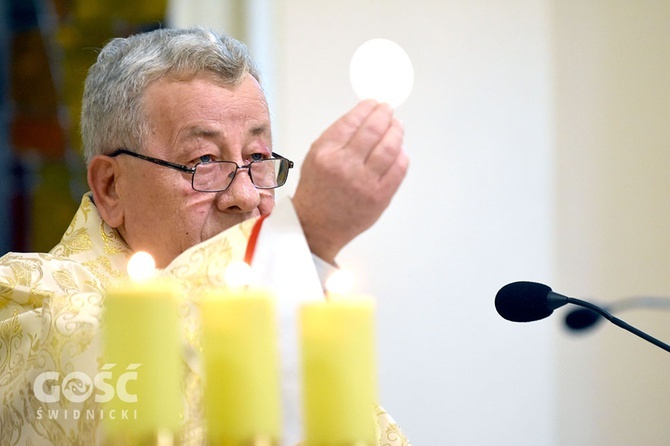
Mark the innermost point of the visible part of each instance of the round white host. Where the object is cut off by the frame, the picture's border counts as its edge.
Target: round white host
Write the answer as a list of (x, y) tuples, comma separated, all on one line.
[(380, 69)]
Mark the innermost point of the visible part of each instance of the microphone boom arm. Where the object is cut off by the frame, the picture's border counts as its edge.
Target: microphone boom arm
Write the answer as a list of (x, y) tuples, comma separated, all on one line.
[(618, 322)]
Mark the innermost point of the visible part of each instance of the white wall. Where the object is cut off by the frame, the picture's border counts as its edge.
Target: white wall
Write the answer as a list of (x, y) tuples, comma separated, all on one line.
[(613, 164), (473, 214)]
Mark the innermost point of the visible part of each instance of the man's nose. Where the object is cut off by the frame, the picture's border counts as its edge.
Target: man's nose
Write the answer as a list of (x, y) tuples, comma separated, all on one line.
[(241, 193)]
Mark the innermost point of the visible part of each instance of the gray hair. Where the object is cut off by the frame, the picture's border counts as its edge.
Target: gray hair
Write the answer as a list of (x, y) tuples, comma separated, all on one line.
[(112, 113)]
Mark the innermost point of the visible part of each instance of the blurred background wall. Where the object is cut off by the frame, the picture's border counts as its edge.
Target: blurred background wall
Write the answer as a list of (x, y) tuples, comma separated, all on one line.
[(540, 141), (612, 160)]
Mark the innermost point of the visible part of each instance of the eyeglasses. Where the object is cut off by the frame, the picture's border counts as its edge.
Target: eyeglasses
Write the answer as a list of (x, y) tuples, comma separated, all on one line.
[(217, 176)]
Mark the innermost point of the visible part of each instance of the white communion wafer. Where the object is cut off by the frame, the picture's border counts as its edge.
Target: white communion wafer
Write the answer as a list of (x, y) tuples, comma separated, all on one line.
[(380, 69)]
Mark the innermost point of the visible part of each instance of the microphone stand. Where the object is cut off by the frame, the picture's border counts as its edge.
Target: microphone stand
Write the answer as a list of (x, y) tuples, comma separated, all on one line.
[(619, 323)]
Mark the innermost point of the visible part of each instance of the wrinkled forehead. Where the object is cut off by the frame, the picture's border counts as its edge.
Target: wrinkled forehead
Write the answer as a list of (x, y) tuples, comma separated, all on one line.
[(201, 87), (210, 77), (205, 109)]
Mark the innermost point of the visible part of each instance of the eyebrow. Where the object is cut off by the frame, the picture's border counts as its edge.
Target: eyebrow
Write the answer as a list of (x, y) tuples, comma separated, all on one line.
[(259, 130), (199, 131), (202, 132)]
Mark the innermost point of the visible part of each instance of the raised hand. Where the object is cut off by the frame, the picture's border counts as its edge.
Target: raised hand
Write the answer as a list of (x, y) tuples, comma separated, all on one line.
[(349, 177)]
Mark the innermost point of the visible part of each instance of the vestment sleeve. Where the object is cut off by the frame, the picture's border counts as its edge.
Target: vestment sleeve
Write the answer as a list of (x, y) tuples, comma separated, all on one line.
[(49, 319)]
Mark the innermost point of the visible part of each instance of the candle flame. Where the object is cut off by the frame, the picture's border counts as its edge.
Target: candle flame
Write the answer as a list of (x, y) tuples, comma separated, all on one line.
[(141, 266), (341, 282), (238, 274)]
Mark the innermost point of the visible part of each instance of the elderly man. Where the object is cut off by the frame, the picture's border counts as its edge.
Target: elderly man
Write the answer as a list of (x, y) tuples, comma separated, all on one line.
[(177, 140)]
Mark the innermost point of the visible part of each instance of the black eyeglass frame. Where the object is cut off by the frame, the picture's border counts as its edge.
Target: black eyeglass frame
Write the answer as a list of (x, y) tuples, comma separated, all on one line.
[(191, 170)]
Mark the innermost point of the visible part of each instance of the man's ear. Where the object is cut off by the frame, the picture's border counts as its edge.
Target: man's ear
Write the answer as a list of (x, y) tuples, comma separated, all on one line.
[(103, 179)]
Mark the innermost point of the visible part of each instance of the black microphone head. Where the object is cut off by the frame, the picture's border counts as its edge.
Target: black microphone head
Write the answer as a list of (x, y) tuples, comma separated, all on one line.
[(524, 301), (581, 319)]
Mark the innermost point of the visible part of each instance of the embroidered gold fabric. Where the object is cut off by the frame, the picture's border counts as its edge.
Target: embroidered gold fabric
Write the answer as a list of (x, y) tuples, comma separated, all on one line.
[(50, 313)]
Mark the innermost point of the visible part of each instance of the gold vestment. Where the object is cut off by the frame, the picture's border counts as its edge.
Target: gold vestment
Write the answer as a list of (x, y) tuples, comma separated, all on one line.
[(50, 313)]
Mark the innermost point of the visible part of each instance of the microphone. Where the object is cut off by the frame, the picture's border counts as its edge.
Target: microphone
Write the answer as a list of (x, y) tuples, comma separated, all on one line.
[(532, 301), (583, 319)]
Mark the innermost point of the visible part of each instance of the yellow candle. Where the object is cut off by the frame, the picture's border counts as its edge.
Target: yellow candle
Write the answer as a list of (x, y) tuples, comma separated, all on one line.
[(339, 371), (142, 358), (241, 355)]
